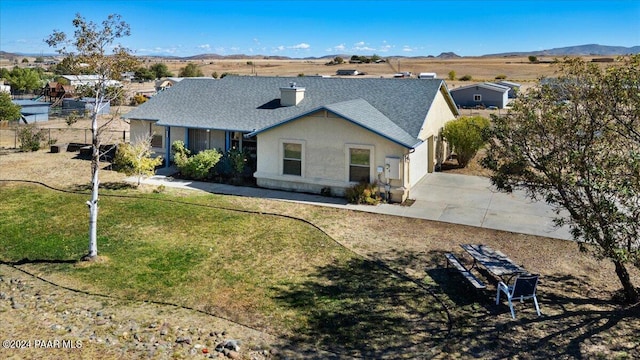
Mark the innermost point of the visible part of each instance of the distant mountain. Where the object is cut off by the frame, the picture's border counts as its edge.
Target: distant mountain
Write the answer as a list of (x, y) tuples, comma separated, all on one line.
[(590, 49), (448, 55)]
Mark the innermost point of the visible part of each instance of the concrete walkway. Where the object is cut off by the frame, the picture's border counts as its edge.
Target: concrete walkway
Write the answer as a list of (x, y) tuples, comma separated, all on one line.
[(457, 199)]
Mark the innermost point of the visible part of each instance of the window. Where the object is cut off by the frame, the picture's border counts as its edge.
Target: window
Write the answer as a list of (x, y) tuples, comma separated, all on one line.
[(477, 97), (359, 165), (156, 140), (292, 159)]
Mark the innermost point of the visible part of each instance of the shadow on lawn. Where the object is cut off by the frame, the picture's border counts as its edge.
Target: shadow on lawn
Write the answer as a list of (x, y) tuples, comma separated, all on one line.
[(575, 323), (37, 261), (113, 185), (359, 308), (362, 309)]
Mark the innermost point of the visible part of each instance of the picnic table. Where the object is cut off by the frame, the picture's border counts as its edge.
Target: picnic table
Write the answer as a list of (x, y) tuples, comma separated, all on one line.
[(494, 261)]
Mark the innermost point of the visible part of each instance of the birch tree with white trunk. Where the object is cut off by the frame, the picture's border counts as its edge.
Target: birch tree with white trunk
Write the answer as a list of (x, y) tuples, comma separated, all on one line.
[(92, 51)]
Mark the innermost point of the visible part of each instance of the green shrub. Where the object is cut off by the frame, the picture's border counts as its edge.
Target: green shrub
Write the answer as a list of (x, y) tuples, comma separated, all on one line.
[(452, 75), (466, 135), (196, 166), (466, 78), (501, 77), (363, 193), (30, 137)]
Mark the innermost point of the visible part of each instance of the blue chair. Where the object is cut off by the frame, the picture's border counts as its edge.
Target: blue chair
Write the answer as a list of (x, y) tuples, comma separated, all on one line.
[(523, 288)]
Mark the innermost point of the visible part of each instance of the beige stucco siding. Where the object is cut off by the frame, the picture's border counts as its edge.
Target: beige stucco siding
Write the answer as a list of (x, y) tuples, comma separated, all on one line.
[(326, 140), (439, 113), (418, 163)]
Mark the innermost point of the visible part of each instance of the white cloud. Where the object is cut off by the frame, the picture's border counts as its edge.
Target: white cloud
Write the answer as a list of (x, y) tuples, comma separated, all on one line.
[(300, 46), (364, 48), (278, 48), (359, 44), (385, 48), (407, 48), (204, 46)]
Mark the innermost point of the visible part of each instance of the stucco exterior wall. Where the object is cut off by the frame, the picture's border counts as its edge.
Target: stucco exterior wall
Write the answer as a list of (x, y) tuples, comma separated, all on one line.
[(418, 161), (326, 140), (439, 113)]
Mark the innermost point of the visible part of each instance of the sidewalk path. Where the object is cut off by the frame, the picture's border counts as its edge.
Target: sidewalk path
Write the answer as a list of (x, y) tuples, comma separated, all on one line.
[(457, 199)]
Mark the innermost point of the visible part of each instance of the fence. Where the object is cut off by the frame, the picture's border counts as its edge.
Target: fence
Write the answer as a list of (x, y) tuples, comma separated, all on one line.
[(9, 136)]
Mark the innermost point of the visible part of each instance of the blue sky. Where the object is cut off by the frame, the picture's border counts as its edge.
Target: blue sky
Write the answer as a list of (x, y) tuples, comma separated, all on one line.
[(316, 28)]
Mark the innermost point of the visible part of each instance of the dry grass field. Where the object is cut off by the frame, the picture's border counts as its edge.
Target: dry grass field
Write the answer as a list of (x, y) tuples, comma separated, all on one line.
[(517, 69)]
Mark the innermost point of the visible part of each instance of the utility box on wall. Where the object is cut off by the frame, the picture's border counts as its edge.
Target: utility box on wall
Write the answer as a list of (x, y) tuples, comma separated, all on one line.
[(392, 168)]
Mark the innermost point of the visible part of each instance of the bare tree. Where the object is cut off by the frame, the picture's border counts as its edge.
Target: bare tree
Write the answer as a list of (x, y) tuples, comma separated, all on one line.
[(92, 48)]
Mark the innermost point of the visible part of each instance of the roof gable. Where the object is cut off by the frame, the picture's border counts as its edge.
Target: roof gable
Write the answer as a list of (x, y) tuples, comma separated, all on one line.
[(363, 114)]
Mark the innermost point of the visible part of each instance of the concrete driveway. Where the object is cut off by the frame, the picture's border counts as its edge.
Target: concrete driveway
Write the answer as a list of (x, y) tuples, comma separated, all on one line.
[(472, 200), (457, 199)]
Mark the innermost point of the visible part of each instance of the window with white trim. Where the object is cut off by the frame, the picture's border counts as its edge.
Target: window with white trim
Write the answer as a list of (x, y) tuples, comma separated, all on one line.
[(359, 164), (292, 158), (477, 97)]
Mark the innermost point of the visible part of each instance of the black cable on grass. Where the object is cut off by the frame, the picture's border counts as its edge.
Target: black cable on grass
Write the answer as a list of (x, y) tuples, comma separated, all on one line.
[(377, 262)]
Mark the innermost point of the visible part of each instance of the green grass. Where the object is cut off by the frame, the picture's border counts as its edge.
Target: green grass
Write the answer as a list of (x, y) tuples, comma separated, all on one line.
[(261, 270)]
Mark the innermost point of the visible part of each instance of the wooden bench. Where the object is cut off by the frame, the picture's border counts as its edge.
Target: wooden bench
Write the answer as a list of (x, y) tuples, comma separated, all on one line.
[(453, 260)]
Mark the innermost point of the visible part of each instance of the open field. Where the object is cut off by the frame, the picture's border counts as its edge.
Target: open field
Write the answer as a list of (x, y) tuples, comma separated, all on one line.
[(481, 69), (366, 285)]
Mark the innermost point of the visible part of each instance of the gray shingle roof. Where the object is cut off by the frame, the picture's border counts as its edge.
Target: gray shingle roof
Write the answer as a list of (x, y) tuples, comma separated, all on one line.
[(394, 108)]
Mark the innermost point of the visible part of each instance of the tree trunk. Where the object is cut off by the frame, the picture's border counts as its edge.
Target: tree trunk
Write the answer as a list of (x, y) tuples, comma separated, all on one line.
[(630, 292), (95, 184)]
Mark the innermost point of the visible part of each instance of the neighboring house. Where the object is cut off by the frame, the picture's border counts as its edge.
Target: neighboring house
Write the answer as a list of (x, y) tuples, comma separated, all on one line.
[(308, 133), (514, 88), (164, 84), (427, 75), (347, 72), (32, 111), (88, 80), (481, 95)]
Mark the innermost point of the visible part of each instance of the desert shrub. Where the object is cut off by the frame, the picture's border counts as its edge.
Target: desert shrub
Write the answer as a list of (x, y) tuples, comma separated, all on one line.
[(138, 99), (465, 78), (466, 135), (362, 193), (237, 161), (30, 138), (136, 158), (452, 75), (195, 166), (501, 77)]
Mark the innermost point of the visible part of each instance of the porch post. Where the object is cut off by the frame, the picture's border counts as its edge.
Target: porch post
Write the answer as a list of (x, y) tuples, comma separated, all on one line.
[(227, 140), (168, 146)]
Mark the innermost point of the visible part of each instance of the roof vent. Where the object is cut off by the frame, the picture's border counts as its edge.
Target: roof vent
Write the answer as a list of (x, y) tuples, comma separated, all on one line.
[(292, 95)]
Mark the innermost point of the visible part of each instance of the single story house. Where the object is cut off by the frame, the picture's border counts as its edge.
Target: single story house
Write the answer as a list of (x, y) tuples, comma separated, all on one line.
[(481, 95), (88, 80), (32, 111), (308, 134), (166, 83), (347, 72)]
